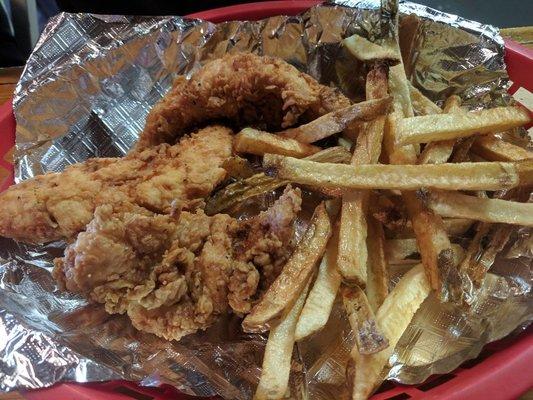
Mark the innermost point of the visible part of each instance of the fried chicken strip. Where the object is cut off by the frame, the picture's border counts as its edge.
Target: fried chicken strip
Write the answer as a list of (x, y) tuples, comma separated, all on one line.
[(174, 274), (245, 88), (59, 205)]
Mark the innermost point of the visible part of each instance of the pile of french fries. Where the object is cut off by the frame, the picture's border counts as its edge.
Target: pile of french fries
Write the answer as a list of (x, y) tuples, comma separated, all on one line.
[(415, 178)]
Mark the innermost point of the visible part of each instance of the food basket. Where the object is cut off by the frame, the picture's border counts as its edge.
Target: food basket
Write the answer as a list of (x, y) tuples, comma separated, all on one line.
[(503, 370)]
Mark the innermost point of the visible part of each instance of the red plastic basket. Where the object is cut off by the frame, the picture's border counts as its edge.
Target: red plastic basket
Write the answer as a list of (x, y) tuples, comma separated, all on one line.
[(503, 370)]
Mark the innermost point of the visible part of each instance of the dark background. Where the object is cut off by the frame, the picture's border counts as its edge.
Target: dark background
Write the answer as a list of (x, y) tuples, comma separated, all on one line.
[(14, 50)]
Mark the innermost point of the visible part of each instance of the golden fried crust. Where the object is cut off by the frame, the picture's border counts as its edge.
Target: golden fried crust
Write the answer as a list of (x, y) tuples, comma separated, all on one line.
[(175, 274), (59, 205), (245, 88)]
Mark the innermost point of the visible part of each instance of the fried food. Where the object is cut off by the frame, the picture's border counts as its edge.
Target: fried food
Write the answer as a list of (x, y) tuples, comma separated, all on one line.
[(457, 205), (60, 205), (245, 88), (284, 291), (368, 336), (493, 149), (337, 121), (257, 142), (236, 193), (276, 366), (393, 317), (320, 301), (421, 104), (174, 274), (365, 50), (453, 176), (377, 280), (440, 152), (352, 254), (430, 128)]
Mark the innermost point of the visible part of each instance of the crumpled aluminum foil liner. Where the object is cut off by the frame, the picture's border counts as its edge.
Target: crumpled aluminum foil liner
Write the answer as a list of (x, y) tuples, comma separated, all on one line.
[(86, 91)]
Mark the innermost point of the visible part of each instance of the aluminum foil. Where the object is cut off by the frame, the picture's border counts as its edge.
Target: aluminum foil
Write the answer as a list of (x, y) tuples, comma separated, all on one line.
[(86, 91)]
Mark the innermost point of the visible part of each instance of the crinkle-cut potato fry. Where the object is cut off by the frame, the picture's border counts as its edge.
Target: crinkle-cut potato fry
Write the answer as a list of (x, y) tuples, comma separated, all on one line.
[(460, 176), (283, 292), (352, 254), (453, 204), (276, 367), (337, 121), (493, 149), (393, 317), (368, 336), (440, 152), (320, 301), (257, 142), (421, 104), (365, 50), (430, 128), (242, 190), (377, 280)]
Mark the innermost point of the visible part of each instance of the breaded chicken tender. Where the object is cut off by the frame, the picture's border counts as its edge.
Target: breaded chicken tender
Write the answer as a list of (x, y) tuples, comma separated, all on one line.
[(174, 274), (59, 205), (244, 88)]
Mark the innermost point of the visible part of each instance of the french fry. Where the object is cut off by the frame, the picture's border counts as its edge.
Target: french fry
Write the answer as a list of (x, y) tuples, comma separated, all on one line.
[(399, 249), (393, 317), (453, 227), (257, 142), (320, 301), (288, 285), (397, 154), (368, 336), (480, 256), (460, 176), (421, 104), (461, 151), (494, 149), (337, 121), (376, 85), (436, 250), (399, 87), (352, 254), (377, 281), (242, 190), (276, 368), (365, 50), (452, 204), (430, 128), (440, 152), (457, 226)]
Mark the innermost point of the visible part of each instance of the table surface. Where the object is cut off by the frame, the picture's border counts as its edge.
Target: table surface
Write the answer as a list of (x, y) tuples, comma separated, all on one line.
[(10, 76)]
